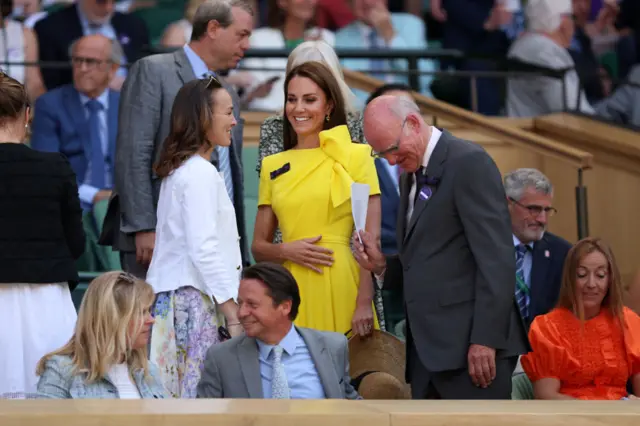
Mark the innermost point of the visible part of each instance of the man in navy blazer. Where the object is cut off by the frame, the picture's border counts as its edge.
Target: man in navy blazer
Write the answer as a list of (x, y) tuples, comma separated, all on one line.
[(58, 30), (75, 118), (540, 255)]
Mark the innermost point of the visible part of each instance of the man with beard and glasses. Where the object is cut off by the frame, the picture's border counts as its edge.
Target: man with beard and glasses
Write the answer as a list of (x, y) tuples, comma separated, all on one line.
[(539, 254)]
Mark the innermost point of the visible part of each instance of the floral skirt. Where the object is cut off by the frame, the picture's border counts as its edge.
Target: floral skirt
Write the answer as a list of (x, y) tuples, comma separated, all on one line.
[(187, 322)]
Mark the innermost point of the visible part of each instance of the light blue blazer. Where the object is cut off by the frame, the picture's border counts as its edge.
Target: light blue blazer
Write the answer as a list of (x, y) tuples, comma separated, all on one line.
[(410, 34), (59, 381)]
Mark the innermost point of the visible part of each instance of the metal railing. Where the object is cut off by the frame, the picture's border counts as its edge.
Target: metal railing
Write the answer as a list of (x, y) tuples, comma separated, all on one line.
[(506, 68)]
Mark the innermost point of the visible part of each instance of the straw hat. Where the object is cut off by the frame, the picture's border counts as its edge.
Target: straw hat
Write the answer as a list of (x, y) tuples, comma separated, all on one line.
[(377, 366)]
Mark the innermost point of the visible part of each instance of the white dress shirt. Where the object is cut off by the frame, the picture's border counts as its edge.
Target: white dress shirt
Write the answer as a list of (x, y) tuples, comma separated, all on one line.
[(121, 379), (197, 242), (433, 140)]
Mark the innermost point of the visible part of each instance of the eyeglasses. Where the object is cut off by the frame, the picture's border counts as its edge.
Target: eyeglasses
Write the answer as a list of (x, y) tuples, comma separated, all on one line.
[(391, 149), (77, 61), (535, 210)]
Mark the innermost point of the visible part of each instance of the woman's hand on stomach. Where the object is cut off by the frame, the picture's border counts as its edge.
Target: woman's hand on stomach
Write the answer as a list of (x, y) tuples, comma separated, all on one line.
[(307, 253)]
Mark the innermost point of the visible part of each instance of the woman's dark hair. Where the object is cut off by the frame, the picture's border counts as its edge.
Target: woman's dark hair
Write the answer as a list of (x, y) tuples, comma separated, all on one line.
[(191, 118), (323, 77), (281, 284), (276, 15), (13, 99)]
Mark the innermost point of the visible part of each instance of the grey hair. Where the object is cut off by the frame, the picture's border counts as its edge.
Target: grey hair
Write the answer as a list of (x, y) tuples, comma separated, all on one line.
[(320, 51), (216, 10), (518, 181), (116, 56), (402, 106), (546, 15)]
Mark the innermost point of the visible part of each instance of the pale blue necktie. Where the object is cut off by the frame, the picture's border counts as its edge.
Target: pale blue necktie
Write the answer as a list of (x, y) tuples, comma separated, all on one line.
[(522, 290), (224, 163), (279, 384)]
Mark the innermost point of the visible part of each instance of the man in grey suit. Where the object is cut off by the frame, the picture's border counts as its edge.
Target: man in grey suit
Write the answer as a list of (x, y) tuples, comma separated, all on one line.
[(275, 359), (221, 31), (456, 257)]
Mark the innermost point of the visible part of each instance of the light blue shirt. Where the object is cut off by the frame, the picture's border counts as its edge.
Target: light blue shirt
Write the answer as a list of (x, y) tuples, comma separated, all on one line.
[(86, 191), (200, 69), (302, 376), (106, 30), (528, 261)]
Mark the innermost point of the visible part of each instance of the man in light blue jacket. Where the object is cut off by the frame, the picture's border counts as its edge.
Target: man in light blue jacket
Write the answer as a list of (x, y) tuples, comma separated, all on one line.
[(376, 28)]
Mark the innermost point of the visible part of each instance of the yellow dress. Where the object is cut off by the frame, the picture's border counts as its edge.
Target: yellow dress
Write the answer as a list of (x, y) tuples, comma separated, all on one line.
[(309, 191)]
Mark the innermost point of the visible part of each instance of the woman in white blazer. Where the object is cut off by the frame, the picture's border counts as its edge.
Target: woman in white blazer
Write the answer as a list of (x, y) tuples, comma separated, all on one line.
[(196, 265), (290, 22)]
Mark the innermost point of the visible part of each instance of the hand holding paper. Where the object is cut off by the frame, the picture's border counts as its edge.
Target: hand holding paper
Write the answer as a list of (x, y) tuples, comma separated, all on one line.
[(359, 205)]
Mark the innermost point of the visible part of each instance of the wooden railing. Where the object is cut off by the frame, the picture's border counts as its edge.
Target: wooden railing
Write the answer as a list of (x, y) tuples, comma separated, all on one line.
[(230, 412), (613, 185)]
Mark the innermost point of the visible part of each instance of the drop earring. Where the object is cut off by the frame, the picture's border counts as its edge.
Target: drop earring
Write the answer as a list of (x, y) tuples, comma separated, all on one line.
[(327, 118)]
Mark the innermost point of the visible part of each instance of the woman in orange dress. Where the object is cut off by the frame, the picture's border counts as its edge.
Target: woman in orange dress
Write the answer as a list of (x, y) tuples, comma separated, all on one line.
[(589, 346)]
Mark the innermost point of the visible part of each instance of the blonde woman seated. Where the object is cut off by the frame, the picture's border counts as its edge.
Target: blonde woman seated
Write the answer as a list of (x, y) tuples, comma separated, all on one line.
[(589, 346), (106, 357)]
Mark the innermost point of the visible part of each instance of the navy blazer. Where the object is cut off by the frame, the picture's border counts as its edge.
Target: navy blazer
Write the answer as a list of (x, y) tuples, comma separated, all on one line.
[(60, 125), (549, 255), (59, 29), (390, 200)]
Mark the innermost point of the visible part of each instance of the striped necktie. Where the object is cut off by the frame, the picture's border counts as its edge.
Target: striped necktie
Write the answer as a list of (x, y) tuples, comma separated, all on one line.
[(522, 290), (279, 384)]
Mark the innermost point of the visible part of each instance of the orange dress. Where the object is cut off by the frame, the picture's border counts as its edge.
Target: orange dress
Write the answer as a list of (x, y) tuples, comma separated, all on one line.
[(592, 360)]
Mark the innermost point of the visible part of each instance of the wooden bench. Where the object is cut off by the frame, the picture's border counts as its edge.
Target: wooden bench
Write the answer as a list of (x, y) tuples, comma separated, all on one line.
[(316, 413)]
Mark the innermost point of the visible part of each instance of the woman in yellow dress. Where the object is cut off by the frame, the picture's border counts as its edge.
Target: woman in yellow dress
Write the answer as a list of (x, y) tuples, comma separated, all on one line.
[(306, 191)]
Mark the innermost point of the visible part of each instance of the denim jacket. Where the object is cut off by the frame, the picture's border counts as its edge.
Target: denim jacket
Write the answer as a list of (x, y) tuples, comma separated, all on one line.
[(58, 381)]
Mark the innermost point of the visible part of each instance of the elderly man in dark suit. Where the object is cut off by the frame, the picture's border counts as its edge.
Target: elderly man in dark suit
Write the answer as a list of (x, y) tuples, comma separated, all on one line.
[(57, 31), (539, 254), (221, 30), (464, 331)]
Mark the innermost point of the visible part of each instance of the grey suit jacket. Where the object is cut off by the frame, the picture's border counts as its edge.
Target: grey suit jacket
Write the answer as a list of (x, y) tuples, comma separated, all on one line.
[(232, 368), (144, 119), (623, 106), (458, 261)]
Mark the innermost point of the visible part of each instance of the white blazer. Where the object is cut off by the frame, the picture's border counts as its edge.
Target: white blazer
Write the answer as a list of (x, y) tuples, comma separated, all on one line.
[(271, 38), (197, 242)]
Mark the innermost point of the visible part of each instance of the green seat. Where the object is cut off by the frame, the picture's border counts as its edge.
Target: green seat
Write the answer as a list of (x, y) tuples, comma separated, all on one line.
[(522, 388), (78, 293), (251, 183), (97, 258), (158, 18)]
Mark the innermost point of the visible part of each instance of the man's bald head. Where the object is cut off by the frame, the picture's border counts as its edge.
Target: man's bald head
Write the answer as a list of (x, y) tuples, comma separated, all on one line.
[(394, 127)]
